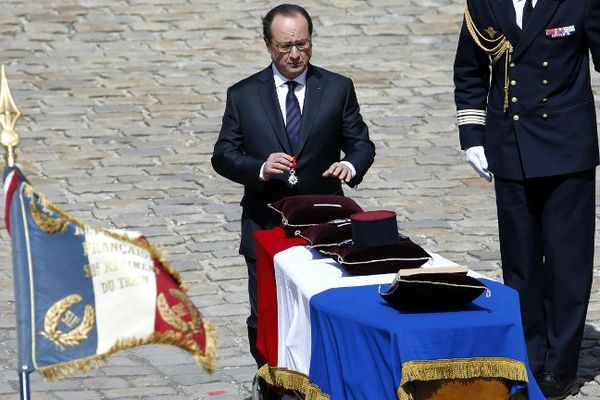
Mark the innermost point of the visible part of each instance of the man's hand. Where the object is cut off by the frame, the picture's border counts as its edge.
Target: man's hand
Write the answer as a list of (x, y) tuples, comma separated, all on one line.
[(340, 171), (476, 157), (277, 164)]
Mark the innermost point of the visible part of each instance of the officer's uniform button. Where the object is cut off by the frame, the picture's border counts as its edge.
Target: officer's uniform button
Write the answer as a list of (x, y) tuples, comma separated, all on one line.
[(512, 65), (514, 99), (545, 116), (545, 64), (513, 83), (545, 100), (515, 117), (544, 82)]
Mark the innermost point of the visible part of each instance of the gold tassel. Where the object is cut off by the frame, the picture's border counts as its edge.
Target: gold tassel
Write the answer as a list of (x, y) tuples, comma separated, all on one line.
[(291, 380), (460, 368)]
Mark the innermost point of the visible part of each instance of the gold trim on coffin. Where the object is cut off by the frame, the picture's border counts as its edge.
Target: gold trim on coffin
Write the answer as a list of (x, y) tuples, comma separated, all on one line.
[(460, 368), (66, 369), (412, 371), (291, 380)]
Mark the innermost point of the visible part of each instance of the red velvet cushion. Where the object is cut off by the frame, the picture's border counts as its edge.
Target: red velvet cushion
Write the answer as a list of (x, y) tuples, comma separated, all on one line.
[(359, 260), (306, 210), (332, 233), (433, 292)]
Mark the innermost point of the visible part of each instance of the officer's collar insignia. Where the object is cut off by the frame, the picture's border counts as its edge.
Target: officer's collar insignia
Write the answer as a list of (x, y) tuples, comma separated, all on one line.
[(491, 32)]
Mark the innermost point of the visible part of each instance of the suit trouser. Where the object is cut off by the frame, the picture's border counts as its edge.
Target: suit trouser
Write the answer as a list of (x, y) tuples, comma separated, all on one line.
[(546, 228), (251, 321)]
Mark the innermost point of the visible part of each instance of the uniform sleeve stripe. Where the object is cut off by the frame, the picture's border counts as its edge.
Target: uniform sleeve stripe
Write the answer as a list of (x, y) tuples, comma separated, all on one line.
[(472, 111), (471, 121), (472, 118)]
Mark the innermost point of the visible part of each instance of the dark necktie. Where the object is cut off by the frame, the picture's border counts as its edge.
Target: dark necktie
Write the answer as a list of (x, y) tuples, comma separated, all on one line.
[(292, 115), (527, 11)]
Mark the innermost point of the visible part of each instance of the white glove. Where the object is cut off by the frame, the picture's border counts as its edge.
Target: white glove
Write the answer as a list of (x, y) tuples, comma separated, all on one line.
[(476, 157)]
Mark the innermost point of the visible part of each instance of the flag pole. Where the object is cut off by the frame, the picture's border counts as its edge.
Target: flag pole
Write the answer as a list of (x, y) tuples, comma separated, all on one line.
[(9, 139), (9, 115), (24, 383)]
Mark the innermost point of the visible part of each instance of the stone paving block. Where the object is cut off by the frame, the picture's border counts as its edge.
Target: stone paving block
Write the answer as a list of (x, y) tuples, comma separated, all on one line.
[(138, 392), (5, 388), (169, 397), (34, 395), (79, 395), (98, 382), (217, 390), (121, 371)]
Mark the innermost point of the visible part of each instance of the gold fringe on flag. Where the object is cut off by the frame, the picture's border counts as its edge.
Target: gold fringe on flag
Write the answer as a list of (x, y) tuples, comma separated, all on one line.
[(207, 360), (460, 368), (291, 380)]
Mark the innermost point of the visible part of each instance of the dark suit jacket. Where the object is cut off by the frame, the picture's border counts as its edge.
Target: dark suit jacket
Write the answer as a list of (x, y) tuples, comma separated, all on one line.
[(253, 128), (550, 125)]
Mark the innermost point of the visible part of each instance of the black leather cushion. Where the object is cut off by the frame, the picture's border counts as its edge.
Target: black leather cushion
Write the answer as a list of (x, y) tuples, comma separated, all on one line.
[(360, 260), (306, 210), (433, 292), (328, 234)]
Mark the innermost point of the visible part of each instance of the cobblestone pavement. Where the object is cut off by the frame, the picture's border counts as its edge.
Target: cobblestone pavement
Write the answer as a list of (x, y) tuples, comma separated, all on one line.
[(123, 100)]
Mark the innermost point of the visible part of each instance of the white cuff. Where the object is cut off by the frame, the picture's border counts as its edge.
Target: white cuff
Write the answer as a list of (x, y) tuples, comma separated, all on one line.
[(349, 165), (261, 173)]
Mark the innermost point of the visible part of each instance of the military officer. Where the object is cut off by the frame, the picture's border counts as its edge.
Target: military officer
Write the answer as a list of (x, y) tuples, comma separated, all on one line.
[(526, 118)]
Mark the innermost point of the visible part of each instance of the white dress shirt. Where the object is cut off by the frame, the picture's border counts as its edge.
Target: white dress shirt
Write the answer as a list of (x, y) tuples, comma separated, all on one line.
[(300, 92), (519, 6), (282, 90)]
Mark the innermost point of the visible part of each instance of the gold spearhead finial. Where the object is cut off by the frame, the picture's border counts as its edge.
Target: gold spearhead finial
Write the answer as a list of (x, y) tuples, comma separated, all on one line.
[(9, 115)]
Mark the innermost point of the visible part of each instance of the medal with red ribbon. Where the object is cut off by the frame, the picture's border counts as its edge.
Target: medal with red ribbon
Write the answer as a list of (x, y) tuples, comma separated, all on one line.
[(293, 179)]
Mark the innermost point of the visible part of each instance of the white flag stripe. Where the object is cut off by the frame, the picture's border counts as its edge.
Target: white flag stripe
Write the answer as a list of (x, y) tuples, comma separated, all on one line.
[(124, 287)]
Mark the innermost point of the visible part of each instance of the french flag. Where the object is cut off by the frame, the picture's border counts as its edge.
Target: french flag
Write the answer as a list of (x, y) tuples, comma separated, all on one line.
[(328, 334), (83, 293)]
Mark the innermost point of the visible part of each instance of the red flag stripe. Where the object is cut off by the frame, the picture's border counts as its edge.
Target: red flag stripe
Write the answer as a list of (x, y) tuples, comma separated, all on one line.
[(13, 182)]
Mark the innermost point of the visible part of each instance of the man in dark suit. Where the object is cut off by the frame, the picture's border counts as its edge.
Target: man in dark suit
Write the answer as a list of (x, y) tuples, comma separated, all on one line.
[(283, 131), (530, 121)]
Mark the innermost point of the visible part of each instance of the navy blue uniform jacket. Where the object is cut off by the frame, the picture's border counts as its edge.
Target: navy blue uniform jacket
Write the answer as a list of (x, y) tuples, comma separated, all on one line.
[(549, 127)]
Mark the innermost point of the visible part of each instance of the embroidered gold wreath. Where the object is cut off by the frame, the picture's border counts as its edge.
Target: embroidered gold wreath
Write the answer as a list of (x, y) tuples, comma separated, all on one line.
[(44, 221), (76, 335), (171, 317)]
